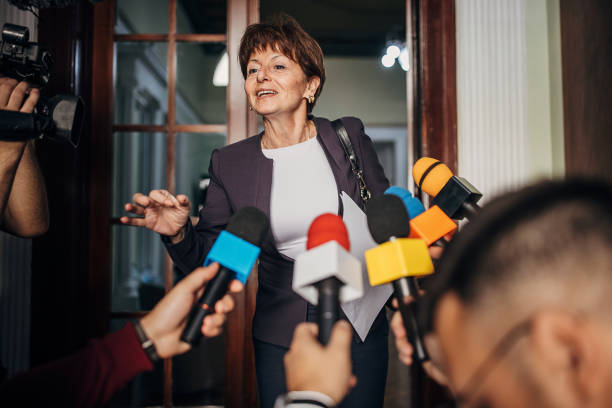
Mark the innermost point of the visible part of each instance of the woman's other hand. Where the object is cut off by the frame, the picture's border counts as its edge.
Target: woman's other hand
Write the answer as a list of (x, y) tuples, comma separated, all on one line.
[(160, 212)]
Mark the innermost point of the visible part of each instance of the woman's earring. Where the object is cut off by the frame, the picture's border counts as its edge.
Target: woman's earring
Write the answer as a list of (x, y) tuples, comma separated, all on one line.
[(250, 107), (310, 99)]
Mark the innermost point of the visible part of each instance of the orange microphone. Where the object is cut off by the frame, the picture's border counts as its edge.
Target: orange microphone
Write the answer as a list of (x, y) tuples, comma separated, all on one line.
[(454, 195), (431, 225)]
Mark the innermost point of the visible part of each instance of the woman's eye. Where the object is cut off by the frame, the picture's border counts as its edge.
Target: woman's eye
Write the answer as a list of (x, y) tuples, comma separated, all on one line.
[(279, 67), (252, 71)]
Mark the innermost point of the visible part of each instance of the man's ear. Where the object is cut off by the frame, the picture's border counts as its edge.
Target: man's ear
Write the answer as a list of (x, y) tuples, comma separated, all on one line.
[(564, 343)]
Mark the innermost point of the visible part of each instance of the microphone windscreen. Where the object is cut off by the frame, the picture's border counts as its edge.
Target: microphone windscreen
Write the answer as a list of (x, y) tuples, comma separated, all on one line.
[(327, 227), (430, 175), (413, 205), (250, 224), (387, 217)]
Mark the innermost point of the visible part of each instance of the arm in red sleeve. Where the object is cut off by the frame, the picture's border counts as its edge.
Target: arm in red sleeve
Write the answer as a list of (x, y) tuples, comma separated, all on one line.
[(87, 378)]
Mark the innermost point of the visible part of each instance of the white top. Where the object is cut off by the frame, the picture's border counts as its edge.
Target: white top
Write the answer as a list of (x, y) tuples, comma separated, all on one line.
[(303, 187)]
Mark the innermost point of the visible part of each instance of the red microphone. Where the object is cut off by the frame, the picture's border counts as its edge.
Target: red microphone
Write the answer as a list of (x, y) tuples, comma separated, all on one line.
[(328, 227), (327, 274)]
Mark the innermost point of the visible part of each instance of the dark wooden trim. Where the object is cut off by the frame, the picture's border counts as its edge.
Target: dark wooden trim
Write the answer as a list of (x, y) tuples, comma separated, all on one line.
[(201, 38), (432, 102), (140, 37), (204, 128), (438, 84), (196, 38), (413, 112), (101, 158), (170, 160), (586, 55)]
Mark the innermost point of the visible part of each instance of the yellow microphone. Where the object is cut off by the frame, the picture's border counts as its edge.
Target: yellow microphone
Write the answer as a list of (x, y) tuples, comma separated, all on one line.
[(454, 195), (397, 260)]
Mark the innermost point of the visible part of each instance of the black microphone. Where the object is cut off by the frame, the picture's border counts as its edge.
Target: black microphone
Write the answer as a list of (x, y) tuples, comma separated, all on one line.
[(236, 250), (398, 260)]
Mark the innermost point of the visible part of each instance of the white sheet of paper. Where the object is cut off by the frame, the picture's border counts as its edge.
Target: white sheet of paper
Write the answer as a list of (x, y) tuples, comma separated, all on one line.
[(362, 312)]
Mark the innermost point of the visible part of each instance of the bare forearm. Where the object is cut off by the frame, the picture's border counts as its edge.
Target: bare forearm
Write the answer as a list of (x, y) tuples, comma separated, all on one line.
[(27, 213), (10, 155)]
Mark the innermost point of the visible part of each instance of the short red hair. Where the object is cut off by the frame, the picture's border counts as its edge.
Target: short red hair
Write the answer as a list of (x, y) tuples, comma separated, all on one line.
[(285, 35)]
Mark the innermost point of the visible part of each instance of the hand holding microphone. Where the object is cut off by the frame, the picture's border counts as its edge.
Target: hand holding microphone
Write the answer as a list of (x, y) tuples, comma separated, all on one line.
[(397, 260), (236, 250), (454, 195), (165, 323), (327, 274)]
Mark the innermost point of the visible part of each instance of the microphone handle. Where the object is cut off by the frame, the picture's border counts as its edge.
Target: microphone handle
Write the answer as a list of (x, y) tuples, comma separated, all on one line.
[(410, 322), (215, 290), (469, 209), (328, 307)]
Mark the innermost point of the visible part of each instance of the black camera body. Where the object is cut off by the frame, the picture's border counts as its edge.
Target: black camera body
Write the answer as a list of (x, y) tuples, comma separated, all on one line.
[(58, 118), (24, 60)]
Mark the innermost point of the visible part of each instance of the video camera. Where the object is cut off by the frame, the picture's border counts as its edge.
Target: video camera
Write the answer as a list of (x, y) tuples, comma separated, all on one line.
[(58, 118)]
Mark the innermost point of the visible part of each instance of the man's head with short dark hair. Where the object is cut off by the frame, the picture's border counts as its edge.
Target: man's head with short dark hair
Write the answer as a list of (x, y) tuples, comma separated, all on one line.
[(523, 299)]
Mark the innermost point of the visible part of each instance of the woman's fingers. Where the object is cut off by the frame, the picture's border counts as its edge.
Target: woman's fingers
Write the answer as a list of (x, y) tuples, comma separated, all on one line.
[(134, 209), (164, 198), (135, 221), (183, 200), (141, 199)]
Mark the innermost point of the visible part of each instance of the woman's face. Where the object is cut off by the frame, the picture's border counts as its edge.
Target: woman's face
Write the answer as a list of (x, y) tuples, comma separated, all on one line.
[(275, 84)]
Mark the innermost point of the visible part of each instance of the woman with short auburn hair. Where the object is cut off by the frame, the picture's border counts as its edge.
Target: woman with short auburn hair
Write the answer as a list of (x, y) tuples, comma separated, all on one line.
[(294, 170)]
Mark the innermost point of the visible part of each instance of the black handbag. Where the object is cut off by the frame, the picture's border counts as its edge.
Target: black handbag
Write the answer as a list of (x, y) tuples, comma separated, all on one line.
[(364, 192)]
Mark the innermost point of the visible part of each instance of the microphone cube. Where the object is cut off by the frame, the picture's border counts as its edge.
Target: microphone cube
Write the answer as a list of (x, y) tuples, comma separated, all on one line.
[(398, 258), (432, 225), (234, 253), (326, 261), (452, 196)]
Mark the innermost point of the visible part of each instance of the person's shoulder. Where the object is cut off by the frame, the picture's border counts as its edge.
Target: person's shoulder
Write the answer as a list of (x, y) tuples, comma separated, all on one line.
[(245, 146), (352, 123)]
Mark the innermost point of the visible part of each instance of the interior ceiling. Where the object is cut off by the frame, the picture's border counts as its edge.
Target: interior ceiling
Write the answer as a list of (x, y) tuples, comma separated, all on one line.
[(342, 27)]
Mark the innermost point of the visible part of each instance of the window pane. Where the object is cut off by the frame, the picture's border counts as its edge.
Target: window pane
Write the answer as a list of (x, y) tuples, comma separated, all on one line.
[(198, 377), (145, 390), (198, 100), (139, 165), (192, 159), (141, 87), (201, 16), (141, 17), (137, 269)]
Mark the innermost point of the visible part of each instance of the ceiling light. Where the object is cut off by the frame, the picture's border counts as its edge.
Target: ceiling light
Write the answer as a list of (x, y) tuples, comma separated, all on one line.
[(393, 50), (388, 61)]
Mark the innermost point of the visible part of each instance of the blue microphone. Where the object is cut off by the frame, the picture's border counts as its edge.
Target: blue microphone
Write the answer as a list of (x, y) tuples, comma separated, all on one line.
[(236, 250)]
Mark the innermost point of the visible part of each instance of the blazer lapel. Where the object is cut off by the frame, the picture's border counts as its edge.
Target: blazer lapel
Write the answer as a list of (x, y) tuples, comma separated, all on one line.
[(329, 140), (262, 170)]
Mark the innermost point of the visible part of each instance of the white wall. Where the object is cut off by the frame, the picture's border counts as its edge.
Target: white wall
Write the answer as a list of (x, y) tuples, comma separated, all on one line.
[(508, 91), (362, 87)]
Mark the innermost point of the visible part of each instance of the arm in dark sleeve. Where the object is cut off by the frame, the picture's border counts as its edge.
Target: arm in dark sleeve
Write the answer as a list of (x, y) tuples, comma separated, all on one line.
[(87, 378), (190, 253), (373, 172)]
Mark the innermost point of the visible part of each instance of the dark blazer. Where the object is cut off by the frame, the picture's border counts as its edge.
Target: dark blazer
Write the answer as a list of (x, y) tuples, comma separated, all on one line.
[(242, 176)]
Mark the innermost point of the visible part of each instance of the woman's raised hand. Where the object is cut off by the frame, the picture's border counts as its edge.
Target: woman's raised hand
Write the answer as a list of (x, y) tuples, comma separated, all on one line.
[(160, 212)]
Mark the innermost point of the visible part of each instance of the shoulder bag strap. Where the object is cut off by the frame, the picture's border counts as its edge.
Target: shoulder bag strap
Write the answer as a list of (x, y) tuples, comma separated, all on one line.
[(345, 141)]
